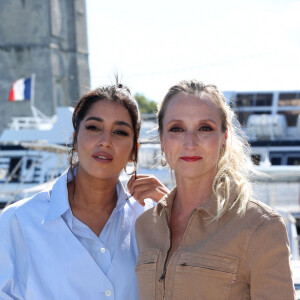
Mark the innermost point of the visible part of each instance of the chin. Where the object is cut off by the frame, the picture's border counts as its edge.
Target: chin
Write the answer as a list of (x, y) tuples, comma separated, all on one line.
[(188, 174)]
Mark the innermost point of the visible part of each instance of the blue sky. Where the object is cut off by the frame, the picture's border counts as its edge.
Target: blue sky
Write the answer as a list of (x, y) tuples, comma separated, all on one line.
[(235, 44)]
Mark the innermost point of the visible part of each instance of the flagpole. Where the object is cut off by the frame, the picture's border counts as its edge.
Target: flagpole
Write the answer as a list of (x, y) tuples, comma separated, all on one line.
[(32, 95), (32, 89)]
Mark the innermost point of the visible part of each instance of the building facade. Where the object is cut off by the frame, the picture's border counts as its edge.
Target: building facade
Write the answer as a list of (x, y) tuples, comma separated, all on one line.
[(47, 38)]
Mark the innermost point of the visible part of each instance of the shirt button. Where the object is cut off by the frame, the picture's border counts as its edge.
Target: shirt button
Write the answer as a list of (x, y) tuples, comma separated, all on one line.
[(102, 250), (108, 293)]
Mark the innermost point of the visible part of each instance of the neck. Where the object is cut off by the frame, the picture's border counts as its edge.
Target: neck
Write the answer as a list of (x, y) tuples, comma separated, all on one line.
[(192, 193), (92, 194)]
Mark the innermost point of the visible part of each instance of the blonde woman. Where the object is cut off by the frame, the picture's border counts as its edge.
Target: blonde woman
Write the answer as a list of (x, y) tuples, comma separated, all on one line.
[(209, 239)]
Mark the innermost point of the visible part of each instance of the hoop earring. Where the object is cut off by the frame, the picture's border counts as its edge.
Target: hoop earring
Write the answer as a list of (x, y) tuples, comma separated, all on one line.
[(163, 161), (134, 171)]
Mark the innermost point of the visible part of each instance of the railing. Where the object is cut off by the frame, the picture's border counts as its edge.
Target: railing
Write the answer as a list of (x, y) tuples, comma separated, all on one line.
[(30, 123)]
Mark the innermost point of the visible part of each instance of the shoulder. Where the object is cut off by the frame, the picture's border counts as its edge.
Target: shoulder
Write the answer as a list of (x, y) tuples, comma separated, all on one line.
[(147, 216), (138, 209), (267, 234), (260, 208), (152, 215), (257, 210), (163, 205), (32, 207), (24, 208), (264, 221)]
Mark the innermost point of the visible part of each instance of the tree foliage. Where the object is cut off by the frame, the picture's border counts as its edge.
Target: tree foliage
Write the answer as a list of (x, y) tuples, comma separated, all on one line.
[(146, 106)]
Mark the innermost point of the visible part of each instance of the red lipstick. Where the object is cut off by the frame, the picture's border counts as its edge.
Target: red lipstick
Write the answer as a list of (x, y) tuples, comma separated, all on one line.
[(190, 158)]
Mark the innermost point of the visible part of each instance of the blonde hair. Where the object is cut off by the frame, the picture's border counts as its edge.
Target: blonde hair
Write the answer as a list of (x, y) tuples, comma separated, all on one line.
[(234, 166)]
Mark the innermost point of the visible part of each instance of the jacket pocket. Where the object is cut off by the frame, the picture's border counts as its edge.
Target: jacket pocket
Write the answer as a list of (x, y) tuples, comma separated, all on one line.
[(146, 273), (204, 276)]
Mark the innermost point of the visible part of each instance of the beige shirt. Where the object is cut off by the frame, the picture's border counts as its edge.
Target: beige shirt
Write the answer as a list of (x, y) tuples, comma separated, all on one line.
[(238, 257)]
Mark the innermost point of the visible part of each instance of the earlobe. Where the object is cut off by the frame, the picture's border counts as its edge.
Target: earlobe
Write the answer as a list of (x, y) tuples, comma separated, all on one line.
[(226, 134), (225, 137)]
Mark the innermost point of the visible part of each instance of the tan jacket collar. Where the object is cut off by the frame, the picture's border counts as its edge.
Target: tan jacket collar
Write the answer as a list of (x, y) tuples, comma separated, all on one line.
[(210, 207)]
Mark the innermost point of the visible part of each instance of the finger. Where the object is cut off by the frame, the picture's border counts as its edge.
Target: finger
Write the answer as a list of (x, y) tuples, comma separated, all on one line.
[(133, 179), (155, 194), (138, 195), (138, 179), (145, 180), (129, 184)]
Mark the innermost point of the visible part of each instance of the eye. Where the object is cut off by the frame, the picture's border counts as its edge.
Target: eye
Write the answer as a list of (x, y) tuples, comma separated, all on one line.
[(205, 128), (121, 132), (175, 129), (92, 128)]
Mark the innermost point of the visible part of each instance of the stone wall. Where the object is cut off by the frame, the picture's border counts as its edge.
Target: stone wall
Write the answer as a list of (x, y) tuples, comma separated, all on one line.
[(47, 38)]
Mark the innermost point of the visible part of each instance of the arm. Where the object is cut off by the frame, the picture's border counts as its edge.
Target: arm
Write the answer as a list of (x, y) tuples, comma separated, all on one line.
[(268, 261), (146, 186), (13, 258)]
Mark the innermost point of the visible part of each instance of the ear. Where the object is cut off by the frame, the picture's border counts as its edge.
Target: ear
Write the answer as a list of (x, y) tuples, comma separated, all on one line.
[(133, 154), (75, 144), (225, 137)]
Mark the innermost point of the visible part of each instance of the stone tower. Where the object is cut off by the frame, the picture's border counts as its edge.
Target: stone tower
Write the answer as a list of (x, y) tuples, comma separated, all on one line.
[(47, 38)]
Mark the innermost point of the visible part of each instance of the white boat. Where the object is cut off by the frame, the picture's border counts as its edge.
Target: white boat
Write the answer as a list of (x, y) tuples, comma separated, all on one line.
[(33, 153), (271, 121)]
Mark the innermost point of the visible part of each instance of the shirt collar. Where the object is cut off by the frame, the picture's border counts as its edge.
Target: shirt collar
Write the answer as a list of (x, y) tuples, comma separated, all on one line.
[(59, 200), (122, 196), (210, 207)]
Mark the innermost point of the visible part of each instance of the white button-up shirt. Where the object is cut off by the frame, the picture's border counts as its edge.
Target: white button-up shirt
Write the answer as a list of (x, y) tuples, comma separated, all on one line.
[(46, 253)]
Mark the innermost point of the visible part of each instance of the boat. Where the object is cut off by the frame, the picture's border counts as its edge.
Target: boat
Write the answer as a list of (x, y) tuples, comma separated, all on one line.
[(271, 122), (33, 153)]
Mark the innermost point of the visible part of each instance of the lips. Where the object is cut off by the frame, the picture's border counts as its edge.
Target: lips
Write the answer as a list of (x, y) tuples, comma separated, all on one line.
[(103, 156), (190, 158)]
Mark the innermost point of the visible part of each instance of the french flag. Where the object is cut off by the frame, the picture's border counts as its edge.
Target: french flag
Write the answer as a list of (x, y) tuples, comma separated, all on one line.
[(21, 90)]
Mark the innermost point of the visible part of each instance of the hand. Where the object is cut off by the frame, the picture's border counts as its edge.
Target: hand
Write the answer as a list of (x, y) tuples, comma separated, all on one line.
[(146, 186)]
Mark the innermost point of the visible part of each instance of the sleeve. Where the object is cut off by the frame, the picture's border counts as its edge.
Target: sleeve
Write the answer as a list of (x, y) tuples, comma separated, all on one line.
[(13, 258), (268, 262)]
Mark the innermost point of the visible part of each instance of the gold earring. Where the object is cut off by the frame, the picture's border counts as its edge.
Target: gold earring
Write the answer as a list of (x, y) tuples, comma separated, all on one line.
[(135, 167), (163, 161), (222, 153), (223, 150)]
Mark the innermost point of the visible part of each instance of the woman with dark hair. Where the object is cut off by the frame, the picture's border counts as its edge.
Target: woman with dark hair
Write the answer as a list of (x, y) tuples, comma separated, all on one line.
[(77, 240)]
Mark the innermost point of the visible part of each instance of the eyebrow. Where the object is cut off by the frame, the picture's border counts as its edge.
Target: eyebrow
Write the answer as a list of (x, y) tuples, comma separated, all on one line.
[(180, 121), (122, 123)]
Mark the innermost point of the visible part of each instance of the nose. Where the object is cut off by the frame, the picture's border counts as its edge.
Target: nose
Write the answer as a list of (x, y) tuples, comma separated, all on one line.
[(190, 141), (104, 139)]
